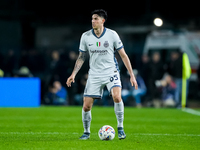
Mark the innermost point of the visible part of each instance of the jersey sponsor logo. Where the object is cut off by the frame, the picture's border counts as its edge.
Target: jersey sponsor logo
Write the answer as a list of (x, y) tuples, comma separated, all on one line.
[(90, 44), (98, 44), (106, 44), (100, 52)]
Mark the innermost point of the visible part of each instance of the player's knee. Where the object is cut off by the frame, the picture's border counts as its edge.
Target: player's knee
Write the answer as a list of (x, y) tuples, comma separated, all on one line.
[(117, 98), (87, 108), (87, 105)]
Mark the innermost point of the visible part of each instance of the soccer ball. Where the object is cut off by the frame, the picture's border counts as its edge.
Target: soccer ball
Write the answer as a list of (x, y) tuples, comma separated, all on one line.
[(106, 133)]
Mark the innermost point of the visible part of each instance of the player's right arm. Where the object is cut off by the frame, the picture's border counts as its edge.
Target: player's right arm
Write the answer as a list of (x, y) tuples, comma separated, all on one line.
[(79, 62)]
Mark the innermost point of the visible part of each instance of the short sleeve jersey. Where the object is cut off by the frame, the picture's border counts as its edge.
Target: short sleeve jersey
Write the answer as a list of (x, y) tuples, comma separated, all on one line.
[(101, 50)]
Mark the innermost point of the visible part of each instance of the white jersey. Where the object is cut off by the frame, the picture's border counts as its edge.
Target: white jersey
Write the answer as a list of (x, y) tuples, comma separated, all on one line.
[(101, 50)]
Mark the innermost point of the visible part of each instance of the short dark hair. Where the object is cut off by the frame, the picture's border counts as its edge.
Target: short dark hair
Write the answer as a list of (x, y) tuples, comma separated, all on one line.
[(101, 13)]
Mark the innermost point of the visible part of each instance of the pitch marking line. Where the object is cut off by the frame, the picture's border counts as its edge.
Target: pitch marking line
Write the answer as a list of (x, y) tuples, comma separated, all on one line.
[(163, 134), (191, 111), (54, 133)]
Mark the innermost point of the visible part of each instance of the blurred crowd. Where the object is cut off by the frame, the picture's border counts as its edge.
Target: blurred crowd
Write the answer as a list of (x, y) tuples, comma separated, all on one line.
[(159, 82), (51, 66)]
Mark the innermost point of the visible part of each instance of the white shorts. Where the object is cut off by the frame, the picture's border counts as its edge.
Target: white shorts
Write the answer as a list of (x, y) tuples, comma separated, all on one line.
[(95, 85)]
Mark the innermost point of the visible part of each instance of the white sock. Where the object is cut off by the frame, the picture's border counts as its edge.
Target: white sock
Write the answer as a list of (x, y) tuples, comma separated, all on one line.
[(86, 118), (119, 112)]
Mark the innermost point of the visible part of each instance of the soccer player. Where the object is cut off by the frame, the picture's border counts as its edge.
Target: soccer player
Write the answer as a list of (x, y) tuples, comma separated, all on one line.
[(102, 43)]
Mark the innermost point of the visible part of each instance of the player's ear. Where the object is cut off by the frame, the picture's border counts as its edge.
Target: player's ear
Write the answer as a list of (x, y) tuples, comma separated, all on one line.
[(103, 20)]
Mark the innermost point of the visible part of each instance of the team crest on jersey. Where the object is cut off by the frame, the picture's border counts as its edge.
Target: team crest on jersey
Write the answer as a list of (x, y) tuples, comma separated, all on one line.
[(106, 44)]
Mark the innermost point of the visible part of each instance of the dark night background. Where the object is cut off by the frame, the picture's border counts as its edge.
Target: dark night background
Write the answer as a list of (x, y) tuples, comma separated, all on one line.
[(30, 14)]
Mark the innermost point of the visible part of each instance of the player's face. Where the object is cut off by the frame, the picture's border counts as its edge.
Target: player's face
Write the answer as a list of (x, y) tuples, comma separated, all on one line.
[(97, 21)]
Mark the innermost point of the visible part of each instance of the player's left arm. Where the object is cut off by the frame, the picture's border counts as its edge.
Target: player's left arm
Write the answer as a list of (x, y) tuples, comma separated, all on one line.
[(127, 63)]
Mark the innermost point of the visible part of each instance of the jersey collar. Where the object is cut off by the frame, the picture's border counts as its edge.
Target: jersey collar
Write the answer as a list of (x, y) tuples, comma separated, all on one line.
[(101, 34)]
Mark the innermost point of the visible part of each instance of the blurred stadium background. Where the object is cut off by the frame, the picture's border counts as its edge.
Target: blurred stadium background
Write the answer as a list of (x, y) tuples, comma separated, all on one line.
[(41, 39)]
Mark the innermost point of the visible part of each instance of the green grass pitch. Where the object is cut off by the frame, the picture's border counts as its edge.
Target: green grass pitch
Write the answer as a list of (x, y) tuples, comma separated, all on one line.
[(47, 128)]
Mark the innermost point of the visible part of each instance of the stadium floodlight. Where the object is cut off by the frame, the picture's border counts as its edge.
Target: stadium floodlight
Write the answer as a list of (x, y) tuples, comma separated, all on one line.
[(158, 22)]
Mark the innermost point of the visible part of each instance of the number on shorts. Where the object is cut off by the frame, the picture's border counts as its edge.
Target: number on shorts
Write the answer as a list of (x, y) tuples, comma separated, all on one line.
[(113, 78)]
